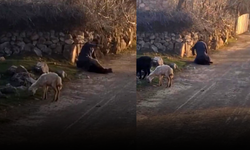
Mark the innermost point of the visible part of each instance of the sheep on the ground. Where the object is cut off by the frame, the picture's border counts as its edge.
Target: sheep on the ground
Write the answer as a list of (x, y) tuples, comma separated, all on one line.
[(161, 71), (157, 61), (47, 80), (143, 63)]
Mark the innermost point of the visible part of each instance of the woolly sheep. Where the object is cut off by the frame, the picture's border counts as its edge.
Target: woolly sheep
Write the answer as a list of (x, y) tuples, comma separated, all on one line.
[(161, 71), (157, 61), (47, 80)]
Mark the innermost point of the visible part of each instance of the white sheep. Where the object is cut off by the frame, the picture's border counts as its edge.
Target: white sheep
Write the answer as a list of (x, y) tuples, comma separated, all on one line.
[(47, 80), (157, 61), (161, 71)]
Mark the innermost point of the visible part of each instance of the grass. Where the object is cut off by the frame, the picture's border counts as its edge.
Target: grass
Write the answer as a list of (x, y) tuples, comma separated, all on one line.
[(28, 62)]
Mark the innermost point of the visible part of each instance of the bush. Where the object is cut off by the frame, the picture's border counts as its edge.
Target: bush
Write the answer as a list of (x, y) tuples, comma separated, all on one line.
[(158, 21), (65, 14)]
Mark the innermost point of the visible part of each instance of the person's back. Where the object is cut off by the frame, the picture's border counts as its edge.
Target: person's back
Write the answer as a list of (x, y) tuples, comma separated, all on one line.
[(201, 48), (86, 52), (201, 53)]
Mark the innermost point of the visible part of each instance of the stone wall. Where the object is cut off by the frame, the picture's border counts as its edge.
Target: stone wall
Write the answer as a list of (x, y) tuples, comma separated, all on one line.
[(65, 44), (180, 43)]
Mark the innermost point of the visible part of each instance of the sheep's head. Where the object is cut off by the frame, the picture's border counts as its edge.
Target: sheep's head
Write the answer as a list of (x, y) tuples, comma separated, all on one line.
[(32, 90), (149, 78)]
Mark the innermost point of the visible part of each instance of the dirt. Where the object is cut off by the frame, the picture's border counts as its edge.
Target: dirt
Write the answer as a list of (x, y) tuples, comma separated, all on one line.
[(206, 105), (96, 107)]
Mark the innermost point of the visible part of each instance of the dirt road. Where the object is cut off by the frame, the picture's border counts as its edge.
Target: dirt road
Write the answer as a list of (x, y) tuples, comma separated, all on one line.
[(207, 105), (95, 112)]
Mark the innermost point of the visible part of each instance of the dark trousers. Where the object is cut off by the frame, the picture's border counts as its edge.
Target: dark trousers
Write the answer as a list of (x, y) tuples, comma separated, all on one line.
[(92, 65)]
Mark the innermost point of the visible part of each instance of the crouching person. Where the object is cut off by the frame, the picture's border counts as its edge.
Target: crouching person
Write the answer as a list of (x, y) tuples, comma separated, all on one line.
[(202, 57), (87, 59)]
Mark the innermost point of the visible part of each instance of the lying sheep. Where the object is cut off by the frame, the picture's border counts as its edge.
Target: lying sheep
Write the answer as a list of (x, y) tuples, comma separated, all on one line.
[(161, 71), (47, 80), (157, 61)]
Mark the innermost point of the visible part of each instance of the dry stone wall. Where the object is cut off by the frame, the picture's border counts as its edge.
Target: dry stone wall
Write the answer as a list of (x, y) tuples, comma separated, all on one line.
[(49, 43), (180, 43)]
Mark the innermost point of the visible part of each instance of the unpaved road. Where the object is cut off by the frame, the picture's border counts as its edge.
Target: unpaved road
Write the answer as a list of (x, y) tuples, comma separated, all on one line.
[(98, 112), (207, 106)]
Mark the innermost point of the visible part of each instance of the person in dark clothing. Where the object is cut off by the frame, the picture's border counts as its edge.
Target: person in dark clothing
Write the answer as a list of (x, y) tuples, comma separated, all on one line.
[(87, 59), (202, 57)]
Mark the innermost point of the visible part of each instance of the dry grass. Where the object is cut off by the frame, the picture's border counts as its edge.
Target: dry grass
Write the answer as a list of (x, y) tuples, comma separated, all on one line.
[(195, 15)]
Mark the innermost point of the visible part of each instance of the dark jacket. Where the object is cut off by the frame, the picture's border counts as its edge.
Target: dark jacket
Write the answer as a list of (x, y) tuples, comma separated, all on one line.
[(87, 51), (201, 53), (201, 49)]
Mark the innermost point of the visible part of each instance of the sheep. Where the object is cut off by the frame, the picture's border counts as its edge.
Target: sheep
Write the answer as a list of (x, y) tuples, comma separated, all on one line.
[(161, 71), (157, 61), (143, 63), (47, 80)]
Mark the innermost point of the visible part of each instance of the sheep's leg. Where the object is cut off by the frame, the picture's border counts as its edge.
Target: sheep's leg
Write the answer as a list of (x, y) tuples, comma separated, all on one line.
[(45, 90), (140, 74), (168, 82), (171, 81), (58, 93), (160, 80), (145, 73), (148, 71), (55, 94)]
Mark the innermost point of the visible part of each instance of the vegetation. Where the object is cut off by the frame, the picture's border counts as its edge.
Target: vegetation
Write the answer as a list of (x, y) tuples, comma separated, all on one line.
[(66, 14), (198, 15)]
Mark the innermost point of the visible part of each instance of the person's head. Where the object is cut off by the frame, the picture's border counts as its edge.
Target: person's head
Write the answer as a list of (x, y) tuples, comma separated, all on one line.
[(200, 38), (95, 42)]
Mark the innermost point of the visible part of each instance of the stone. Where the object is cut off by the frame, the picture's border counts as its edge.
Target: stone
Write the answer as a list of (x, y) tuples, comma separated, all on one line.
[(4, 39), (154, 48), (3, 95), (20, 68), (69, 41), (11, 70), (34, 37), (22, 79), (8, 89), (38, 52)]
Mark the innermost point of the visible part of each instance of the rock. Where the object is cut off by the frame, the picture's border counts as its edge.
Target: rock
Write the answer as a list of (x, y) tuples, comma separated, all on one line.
[(61, 73), (38, 52), (4, 39), (55, 39), (154, 48), (22, 79), (34, 37), (41, 67), (23, 88), (69, 41), (2, 59), (11, 70), (44, 48), (3, 95), (8, 89), (20, 68)]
